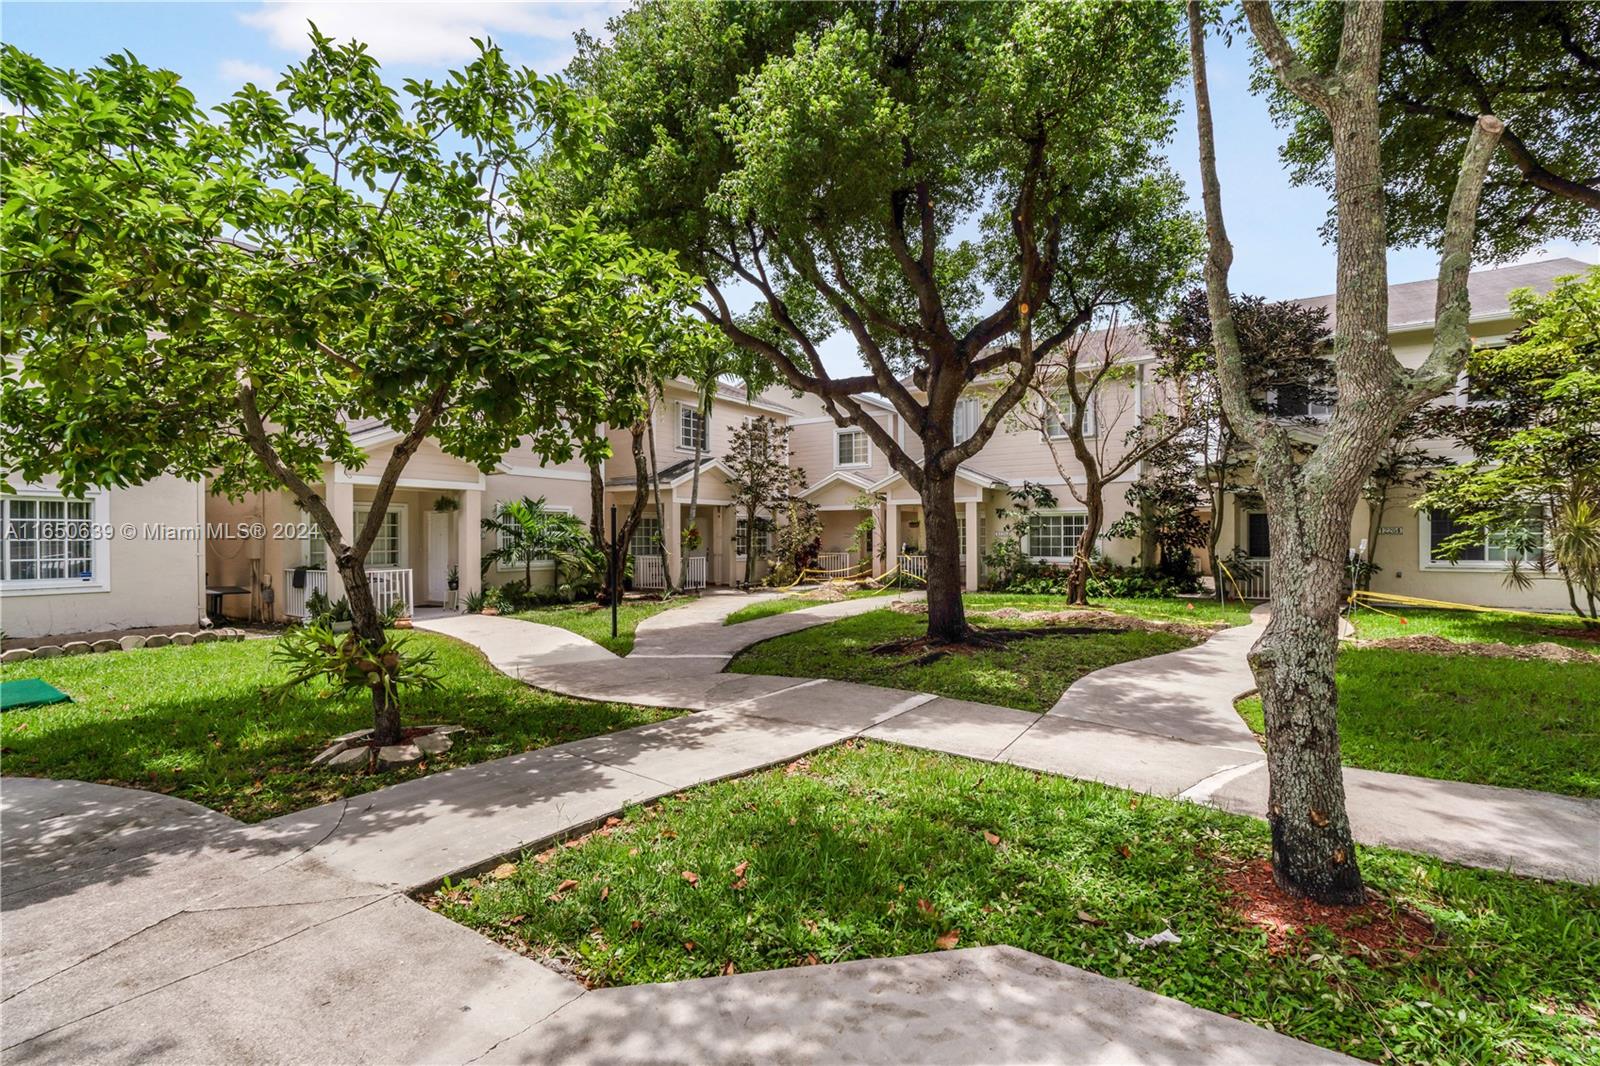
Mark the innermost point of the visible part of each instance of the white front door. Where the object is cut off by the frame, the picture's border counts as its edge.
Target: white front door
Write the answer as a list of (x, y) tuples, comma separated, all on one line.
[(439, 555)]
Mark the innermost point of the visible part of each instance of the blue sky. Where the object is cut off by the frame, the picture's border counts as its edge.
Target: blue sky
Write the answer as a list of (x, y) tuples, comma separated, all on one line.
[(1278, 252)]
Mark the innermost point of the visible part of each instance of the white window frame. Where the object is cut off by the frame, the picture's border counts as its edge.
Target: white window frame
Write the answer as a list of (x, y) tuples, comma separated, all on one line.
[(99, 545), (660, 537), (1426, 561), (685, 431), (1069, 539), (1056, 429), (740, 541), (402, 547), (840, 432), (968, 415), (510, 565)]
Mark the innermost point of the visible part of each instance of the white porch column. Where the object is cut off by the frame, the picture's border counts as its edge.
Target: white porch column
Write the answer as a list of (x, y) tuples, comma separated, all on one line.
[(469, 543), (891, 534), (341, 500), (972, 545), (671, 543)]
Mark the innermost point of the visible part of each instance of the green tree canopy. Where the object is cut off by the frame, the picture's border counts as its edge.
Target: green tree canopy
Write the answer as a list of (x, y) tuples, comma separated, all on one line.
[(1536, 66), (921, 177), (1532, 431), (222, 296)]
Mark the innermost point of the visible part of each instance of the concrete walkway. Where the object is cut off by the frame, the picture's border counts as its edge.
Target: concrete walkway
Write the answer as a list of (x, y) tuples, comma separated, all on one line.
[(138, 927)]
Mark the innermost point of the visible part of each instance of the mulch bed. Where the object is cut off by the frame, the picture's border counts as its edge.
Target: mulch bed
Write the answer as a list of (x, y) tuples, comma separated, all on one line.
[(1376, 929), (1432, 645)]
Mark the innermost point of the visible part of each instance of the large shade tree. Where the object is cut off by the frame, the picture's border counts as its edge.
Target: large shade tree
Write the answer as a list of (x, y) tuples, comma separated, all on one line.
[(927, 179), (219, 297), (1311, 494), (1535, 66)]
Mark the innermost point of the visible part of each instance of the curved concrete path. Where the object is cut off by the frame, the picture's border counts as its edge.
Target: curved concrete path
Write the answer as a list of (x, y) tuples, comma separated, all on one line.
[(138, 927)]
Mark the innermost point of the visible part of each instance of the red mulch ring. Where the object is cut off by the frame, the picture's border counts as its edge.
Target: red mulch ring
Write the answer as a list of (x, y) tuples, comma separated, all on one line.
[(1374, 928)]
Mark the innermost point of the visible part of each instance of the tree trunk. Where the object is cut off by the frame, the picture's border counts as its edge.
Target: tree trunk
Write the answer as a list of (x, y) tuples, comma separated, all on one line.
[(1375, 512), (694, 511), (1078, 576), (368, 628), (1313, 853), (947, 619), (661, 519), (750, 547)]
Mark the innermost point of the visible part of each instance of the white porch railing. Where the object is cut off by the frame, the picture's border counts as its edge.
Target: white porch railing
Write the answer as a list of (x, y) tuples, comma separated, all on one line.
[(836, 564), (649, 572), (1254, 578), (389, 587), (914, 566), (694, 572)]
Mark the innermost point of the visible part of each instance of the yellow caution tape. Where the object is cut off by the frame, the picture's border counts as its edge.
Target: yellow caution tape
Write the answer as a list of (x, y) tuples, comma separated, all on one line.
[(1365, 598)]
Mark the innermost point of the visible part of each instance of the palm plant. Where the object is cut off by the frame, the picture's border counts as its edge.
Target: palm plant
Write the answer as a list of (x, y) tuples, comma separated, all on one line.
[(527, 531)]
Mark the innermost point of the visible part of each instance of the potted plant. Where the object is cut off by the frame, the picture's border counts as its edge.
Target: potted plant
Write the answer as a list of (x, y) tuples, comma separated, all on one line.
[(445, 504), (691, 538), (452, 578)]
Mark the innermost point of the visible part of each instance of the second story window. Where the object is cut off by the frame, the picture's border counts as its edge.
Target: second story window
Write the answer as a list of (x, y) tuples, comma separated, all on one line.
[(1299, 401), (851, 448), (692, 428), (1055, 429), (968, 414)]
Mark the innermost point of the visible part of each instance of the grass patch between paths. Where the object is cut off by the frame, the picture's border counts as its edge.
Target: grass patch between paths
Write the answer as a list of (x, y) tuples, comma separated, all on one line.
[(192, 722), (870, 850), (767, 608), (1475, 627), (1029, 675), (594, 621), (1159, 610), (1462, 718)]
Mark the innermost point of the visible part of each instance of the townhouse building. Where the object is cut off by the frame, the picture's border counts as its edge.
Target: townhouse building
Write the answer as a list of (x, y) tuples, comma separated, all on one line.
[(146, 555)]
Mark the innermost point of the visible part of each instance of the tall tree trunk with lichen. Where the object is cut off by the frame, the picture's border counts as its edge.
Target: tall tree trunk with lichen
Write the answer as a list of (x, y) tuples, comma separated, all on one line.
[(1310, 503)]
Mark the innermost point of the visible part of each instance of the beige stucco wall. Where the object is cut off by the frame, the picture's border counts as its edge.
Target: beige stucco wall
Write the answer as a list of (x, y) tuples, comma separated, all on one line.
[(150, 580)]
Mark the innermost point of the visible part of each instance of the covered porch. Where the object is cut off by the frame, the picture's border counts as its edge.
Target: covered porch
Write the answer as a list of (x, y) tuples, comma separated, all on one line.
[(713, 554), (904, 537), (430, 535)]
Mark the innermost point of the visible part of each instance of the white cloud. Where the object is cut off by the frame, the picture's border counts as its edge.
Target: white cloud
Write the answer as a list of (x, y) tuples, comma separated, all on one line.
[(241, 71), (426, 32), (1587, 253)]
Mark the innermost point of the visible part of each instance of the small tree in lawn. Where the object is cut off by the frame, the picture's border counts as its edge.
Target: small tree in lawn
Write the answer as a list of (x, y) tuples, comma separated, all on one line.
[(759, 478), (1283, 350), (1165, 505), (1073, 403), (1533, 483), (835, 161), (1311, 495), (221, 298)]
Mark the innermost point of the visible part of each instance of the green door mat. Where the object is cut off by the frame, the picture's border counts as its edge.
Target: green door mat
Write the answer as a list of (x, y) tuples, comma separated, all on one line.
[(29, 693)]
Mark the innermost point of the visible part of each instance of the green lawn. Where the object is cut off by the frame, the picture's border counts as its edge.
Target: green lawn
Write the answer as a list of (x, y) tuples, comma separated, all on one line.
[(786, 604), (1462, 718), (1162, 610), (1475, 627), (193, 722), (869, 850), (594, 622), (1029, 675)]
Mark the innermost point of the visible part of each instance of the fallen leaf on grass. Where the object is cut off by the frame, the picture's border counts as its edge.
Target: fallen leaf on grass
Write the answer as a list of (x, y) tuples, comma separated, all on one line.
[(503, 871), (810, 924), (729, 970), (1126, 852), (688, 945), (993, 839), (948, 940), (569, 883), (691, 877), (739, 885), (924, 906), (738, 871), (1088, 919), (613, 821), (605, 893), (811, 959), (545, 856)]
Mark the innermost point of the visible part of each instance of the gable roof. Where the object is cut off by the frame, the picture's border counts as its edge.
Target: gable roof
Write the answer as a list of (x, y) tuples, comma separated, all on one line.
[(671, 477), (1411, 302), (838, 475), (965, 472)]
